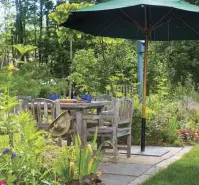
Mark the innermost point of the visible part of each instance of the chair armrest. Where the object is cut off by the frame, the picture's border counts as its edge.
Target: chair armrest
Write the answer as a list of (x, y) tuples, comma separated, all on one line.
[(108, 112)]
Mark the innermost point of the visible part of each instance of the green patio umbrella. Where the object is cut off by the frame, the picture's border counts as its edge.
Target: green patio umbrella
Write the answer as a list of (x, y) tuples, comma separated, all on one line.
[(156, 20)]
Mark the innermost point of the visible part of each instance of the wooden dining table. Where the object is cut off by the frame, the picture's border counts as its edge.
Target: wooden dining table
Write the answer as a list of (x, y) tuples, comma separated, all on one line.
[(79, 113), (80, 109)]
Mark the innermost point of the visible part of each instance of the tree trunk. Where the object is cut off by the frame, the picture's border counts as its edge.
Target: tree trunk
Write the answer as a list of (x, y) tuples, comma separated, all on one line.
[(41, 28), (35, 29), (19, 24)]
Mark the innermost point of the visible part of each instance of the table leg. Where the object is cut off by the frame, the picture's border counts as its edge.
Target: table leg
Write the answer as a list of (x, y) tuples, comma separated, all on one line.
[(99, 111), (80, 125), (84, 132), (100, 139)]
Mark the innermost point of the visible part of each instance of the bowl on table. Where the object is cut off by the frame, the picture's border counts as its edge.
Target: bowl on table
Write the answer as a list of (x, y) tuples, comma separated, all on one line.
[(86, 97)]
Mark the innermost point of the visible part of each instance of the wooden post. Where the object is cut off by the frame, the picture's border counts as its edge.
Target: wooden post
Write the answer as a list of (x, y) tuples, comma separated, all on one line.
[(144, 96), (57, 108), (71, 58)]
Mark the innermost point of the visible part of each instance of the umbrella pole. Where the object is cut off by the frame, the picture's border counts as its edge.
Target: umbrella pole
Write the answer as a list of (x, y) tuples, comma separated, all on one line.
[(144, 95)]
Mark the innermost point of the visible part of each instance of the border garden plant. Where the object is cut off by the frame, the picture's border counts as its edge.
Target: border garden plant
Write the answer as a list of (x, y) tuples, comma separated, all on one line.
[(24, 160), (170, 121), (31, 161)]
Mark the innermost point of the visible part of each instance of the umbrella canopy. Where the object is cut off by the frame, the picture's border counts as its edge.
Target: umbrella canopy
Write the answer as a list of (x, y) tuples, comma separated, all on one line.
[(130, 19), (157, 20)]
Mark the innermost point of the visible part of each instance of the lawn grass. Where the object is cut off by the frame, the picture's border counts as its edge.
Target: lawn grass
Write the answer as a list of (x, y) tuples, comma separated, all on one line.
[(183, 172)]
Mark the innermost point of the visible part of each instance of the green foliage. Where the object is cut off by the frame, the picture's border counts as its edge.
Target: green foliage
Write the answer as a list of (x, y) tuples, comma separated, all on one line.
[(4, 142), (60, 15), (33, 80), (24, 49), (90, 74), (8, 122), (84, 67)]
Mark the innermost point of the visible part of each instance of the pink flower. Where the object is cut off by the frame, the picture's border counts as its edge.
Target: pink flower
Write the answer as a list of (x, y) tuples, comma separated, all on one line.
[(57, 178), (2, 182)]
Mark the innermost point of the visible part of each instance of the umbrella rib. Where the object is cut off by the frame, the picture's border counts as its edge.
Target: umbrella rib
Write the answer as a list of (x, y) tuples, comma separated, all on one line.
[(137, 25), (170, 20), (161, 19), (129, 22), (107, 26), (189, 26), (172, 15)]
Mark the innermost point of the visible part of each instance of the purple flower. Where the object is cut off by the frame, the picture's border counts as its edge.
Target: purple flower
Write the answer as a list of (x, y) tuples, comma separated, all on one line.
[(2, 182), (5, 151), (13, 155)]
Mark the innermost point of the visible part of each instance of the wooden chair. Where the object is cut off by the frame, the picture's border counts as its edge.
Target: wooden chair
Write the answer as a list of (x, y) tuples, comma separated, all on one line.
[(108, 112), (44, 111), (23, 97), (101, 98), (23, 104), (92, 118), (121, 126), (48, 112)]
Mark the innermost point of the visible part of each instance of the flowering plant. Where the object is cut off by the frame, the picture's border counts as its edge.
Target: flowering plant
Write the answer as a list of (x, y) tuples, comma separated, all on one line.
[(22, 162), (188, 135), (11, 166)]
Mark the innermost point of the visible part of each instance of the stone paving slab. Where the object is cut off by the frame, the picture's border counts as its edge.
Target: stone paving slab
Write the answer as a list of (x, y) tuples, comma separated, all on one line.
[(151, 152), (135, 159), (124, 169), (110, 179), (137, 169), (141, 159)]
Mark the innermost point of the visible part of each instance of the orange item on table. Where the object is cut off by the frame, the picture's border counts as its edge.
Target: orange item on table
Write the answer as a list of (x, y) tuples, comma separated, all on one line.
[(68, 100)]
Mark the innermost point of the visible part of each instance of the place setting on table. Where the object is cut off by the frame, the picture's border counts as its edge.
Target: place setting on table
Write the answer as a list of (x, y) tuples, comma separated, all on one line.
[(82, 101), (83, 98)]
